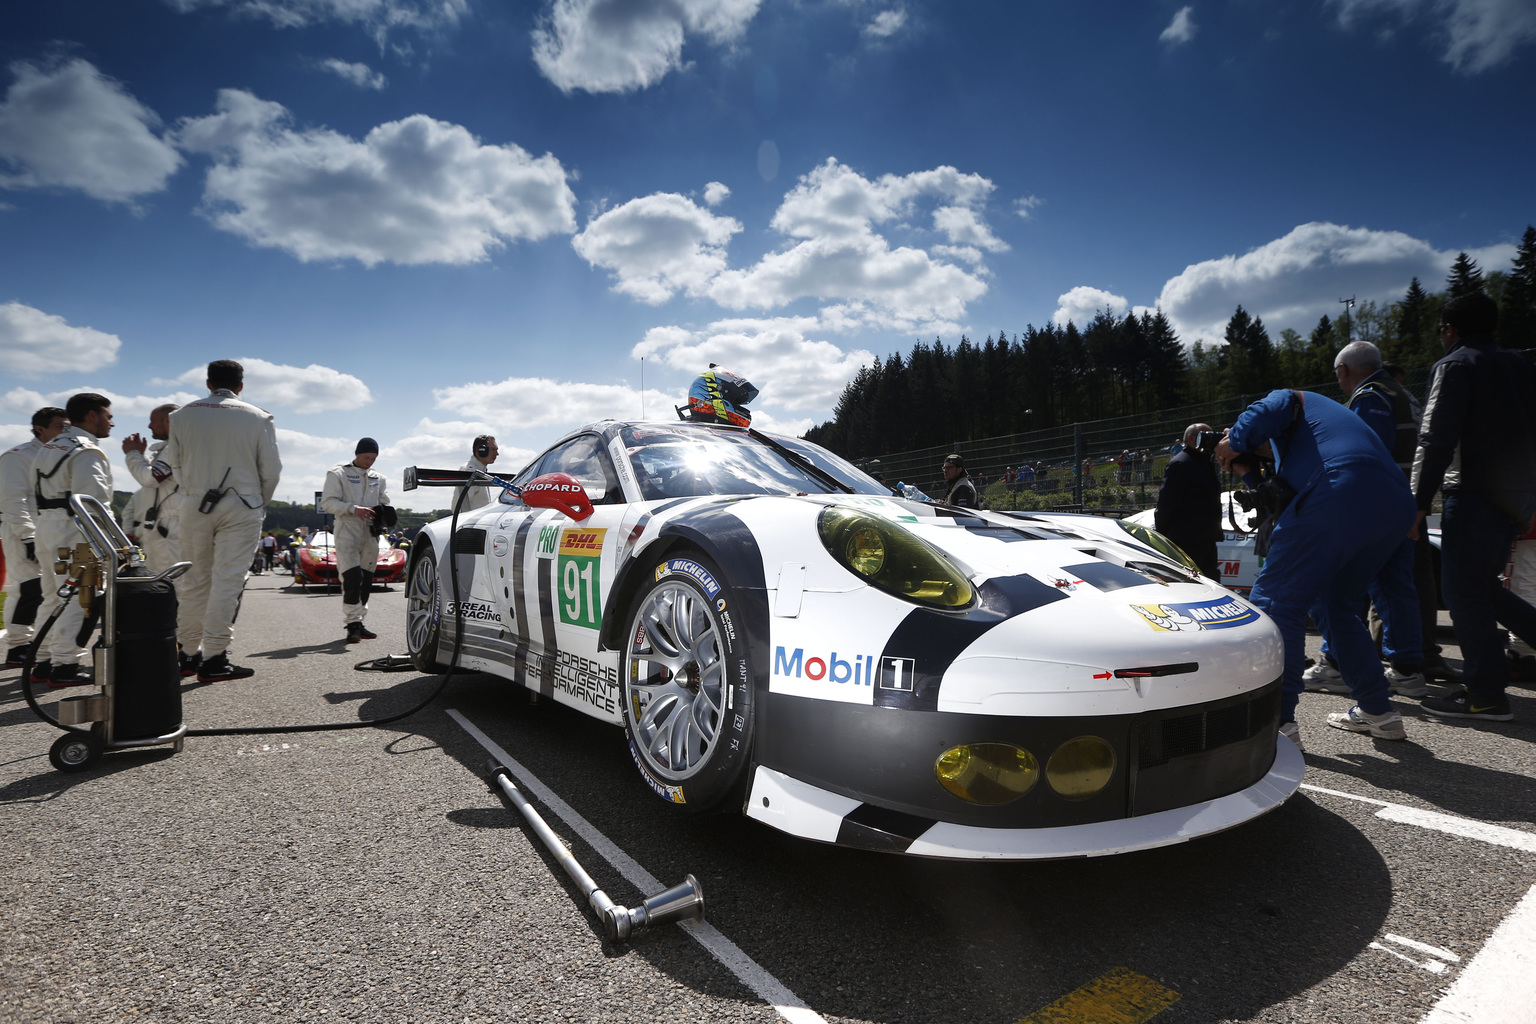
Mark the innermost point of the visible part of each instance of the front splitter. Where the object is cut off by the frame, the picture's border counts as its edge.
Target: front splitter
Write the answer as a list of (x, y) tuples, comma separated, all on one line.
[(807, 811)]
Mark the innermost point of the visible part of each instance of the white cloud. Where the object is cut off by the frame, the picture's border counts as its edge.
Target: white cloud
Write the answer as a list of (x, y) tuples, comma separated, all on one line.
[(303, 389), (33, 343), (842, 259), (1026, 206), (539, 405), (622, 45), (1082, 304), (792, 370), (360, 75), (378, 17), (1478, 34), (886, 23), (446, 445), (658, 245), (412, 191), (1180, 30), (1294, 280), (715, 193), (71, 127)]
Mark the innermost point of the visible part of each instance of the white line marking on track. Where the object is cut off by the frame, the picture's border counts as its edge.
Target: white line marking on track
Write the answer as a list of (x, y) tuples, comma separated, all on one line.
[(1498, 835), (749, 971), (1424, 947), (1497, 986)]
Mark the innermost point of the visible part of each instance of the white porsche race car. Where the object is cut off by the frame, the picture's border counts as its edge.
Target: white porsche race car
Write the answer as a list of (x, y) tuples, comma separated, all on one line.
[(777, 633)]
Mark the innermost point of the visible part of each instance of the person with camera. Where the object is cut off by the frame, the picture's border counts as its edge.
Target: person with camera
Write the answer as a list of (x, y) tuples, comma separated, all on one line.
[(1344, 508), (1189, 502), (18, 534), (72, 463), (482, 453), (1477, 444), (154, 512), (356, 496), (224, 453)]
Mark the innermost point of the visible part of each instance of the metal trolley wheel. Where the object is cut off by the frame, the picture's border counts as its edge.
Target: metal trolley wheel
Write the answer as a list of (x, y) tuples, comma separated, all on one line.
[(687, 690), (75, 751)]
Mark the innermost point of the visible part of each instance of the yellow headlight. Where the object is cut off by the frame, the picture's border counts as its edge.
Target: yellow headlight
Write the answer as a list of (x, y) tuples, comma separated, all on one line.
[(865, 551), (1081, 767), (891, 558), (987, 773)]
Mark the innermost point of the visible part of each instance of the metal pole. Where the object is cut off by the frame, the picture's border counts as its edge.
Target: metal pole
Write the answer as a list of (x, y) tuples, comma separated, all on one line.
[(1078, 455)]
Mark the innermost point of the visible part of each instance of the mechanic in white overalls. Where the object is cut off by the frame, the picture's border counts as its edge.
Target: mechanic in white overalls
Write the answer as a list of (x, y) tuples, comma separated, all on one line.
[(354, 494), (72, 463), (482, 453), (223, 453), (18, 534), (153, 514)]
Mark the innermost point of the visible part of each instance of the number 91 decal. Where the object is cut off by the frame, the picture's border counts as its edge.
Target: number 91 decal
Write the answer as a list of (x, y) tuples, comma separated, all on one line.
[(579, 571)]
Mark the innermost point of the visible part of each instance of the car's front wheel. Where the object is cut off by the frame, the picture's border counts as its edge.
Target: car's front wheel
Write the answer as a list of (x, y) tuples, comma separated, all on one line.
[(687, 685)]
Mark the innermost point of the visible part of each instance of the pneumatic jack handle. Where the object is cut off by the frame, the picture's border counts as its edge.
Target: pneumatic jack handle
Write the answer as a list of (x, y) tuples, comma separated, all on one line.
[(682, 902)]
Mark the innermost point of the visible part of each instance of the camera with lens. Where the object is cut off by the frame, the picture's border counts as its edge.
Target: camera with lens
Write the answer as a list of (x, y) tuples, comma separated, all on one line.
[(1205, 442)]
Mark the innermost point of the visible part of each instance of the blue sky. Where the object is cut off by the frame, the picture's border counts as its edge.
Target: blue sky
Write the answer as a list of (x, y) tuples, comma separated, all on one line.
[(422, 220)]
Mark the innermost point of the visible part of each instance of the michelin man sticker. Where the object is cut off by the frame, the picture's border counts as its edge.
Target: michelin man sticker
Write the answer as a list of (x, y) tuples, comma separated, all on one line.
[(1222, 613)]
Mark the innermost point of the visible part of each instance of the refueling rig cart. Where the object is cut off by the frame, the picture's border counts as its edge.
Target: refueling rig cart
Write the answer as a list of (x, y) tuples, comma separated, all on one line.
[(134, 662)]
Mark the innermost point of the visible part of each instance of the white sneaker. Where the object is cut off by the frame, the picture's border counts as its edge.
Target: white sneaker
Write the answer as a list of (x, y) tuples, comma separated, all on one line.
[(1323, 678), (1386, 726), (1292, 732), (1407, 684)]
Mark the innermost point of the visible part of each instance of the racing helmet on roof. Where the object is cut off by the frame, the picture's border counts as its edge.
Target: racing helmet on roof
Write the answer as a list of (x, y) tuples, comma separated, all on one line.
[(720, 396)]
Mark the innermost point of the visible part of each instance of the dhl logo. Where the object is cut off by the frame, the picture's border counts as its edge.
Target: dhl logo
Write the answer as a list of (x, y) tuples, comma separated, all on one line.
[(582, 542)]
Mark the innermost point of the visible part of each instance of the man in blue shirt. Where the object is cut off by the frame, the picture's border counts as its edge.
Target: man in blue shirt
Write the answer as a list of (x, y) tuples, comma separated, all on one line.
[(1352, 508)]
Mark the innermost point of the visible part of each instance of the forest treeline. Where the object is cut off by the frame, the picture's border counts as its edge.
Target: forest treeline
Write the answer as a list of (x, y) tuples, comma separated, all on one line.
[(1048, 376)]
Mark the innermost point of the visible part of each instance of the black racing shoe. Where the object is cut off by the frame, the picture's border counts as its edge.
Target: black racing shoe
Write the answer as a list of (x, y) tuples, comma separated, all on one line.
[(1461, 705), (190, 663), (42, 671), (16, 657), (217, 669), (357, 631), (70, 675), (1436, 669)]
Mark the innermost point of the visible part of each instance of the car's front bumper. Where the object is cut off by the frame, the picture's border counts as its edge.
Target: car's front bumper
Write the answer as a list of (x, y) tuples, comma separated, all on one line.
[(810, 812)]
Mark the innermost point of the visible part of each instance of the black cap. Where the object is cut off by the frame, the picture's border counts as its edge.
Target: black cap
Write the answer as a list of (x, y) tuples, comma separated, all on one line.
[(367, 446), (954, 460)]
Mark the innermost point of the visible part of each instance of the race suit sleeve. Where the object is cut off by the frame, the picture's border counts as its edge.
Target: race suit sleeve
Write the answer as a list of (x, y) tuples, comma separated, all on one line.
[(139, 468), (1268, 417), (15, 492), (332, 499), (1445, 416), (90, 473), (269, 465)]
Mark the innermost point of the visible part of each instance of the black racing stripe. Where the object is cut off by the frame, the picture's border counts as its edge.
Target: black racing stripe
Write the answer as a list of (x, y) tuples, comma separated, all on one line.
[(520, 601), (875, 828), (645, 518), (931, 640), (546, 573)]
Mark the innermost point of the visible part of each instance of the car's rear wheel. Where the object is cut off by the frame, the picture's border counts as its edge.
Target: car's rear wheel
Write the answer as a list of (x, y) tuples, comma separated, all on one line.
[(424, 614), (687, 686)]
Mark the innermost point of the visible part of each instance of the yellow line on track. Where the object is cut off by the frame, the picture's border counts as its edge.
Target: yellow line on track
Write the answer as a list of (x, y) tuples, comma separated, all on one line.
[(1120, 996)]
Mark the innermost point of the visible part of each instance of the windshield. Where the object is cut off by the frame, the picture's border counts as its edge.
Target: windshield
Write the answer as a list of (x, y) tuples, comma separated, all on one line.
[(687, 460), (322, 541)]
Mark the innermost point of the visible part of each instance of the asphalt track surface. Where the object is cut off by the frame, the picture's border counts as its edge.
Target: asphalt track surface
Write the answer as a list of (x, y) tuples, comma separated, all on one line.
[(372, 875)]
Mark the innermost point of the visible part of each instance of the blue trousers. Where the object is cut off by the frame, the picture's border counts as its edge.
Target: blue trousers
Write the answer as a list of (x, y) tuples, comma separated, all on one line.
[(1396, 598), (1475, 537), (1327, 548)]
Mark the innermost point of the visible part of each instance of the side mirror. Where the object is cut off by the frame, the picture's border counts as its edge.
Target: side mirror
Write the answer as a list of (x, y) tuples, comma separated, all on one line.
[(558, 491)]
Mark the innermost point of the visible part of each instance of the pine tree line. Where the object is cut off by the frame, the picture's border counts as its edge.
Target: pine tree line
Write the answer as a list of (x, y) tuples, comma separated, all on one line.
[(1050, 376)]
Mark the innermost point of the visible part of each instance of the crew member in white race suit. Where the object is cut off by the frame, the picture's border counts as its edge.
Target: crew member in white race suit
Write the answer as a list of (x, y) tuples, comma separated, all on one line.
[(482, 454), (153, 514), (223, 453), (72, 463), (18, 535), (352, 492)]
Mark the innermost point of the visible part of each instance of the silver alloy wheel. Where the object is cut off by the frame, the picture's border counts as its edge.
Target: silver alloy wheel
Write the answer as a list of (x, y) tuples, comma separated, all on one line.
[(421, 604), (676, 679)]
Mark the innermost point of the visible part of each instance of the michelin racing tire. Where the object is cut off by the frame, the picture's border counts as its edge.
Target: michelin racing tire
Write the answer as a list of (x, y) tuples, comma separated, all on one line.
[(687, 685), (424, 614)]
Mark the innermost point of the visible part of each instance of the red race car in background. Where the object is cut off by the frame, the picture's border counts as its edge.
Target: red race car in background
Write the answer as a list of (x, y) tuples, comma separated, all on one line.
[(317, 562)]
